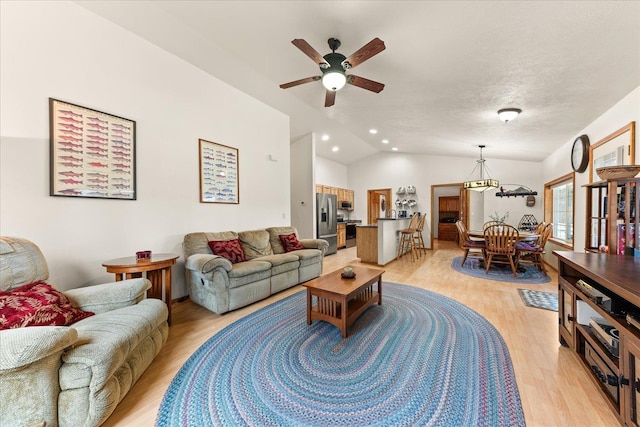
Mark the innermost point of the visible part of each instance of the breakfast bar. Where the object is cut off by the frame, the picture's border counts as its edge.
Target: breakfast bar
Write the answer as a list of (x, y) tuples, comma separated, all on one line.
[(378, 243)]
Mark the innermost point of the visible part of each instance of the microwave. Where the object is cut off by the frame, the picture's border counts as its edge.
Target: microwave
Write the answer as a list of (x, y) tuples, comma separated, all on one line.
[(345, 205)]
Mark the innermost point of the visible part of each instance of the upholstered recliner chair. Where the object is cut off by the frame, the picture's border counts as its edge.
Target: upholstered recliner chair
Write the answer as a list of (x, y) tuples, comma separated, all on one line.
[(74, 375)]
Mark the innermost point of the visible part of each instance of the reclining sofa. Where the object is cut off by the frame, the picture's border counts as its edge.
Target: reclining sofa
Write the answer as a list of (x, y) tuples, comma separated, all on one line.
[(219, 285), (74, 375)]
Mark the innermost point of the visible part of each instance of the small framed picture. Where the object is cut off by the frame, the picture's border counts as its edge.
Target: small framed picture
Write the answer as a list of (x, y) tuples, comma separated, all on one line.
[(219, 173), (92, 154)]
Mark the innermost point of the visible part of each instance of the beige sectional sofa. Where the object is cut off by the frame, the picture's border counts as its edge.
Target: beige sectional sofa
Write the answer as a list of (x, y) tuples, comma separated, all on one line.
[(220, 286)]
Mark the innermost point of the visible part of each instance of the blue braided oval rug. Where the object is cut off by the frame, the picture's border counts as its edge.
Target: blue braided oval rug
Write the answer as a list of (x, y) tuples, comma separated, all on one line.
[(418, 359)]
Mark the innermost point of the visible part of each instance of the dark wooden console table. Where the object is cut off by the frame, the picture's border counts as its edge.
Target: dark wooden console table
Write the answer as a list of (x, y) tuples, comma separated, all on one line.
[(618, 278)]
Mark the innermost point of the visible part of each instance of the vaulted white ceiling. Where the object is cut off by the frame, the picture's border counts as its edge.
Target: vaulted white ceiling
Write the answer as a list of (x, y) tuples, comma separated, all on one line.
[(448, 66)]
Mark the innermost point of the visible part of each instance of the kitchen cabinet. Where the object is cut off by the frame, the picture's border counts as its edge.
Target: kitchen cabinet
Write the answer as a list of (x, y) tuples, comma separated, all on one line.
[(350, 198), (342, 236), (448, 204), (447, 231), (612, 215), (615, 369), (343, 194)]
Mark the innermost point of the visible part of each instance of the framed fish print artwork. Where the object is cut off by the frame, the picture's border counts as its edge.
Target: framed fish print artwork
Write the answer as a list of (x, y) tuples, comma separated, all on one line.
[(92, 154), (218, 173)]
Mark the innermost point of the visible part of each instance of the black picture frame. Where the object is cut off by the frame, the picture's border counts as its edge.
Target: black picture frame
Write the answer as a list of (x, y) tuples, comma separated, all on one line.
[(92, 153)]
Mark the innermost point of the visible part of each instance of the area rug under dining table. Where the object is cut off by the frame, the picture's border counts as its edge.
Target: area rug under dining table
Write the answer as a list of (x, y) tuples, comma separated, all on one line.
[(418, 359), (527, 274)]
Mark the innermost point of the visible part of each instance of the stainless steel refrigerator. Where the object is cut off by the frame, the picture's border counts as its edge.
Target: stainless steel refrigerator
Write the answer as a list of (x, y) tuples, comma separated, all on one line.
[(327, 220)]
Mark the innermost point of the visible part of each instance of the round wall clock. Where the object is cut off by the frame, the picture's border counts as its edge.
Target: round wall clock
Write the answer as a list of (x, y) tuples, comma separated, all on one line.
[(580, 154)]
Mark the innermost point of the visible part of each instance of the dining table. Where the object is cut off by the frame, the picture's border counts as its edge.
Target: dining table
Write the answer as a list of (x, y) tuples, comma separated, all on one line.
[(523, 236)]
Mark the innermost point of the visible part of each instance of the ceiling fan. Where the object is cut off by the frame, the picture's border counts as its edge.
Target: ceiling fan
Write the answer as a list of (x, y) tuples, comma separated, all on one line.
[(333, 66)]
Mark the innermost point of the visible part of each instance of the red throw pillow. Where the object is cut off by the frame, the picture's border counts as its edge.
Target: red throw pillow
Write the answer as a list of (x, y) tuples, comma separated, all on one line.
[(37, 304), (290, 242), (229, 249)]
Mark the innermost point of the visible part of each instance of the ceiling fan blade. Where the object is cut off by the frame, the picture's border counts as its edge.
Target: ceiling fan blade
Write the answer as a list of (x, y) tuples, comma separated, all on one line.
[(299, 82), (365, 83), (330, 98), (309, 51), (372, 48)]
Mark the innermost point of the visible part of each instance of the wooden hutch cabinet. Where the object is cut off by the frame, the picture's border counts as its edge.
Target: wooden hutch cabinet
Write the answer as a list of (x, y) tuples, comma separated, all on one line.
[(601, 286), (448, 214), (612, 216)]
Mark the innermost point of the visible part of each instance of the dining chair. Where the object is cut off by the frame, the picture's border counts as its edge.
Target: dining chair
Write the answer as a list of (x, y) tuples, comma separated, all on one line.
[(532, 252), (418, 240), (467, 244), (490, 223), (406, 242), (501, 241), (540, 227)]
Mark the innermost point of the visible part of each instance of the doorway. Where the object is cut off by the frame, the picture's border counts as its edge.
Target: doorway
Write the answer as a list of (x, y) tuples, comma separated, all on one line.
[(449, 203), (378, 204)]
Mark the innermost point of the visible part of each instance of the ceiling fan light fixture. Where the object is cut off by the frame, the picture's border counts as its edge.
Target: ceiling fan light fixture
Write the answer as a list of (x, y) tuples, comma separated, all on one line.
[(334, 80), (508, 114)]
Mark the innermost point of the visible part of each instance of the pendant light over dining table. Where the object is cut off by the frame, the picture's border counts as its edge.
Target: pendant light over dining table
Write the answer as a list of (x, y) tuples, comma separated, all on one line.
[(483, 183)]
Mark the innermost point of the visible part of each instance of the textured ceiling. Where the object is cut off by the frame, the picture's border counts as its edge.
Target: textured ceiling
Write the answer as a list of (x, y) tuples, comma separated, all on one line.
[(448, 66)]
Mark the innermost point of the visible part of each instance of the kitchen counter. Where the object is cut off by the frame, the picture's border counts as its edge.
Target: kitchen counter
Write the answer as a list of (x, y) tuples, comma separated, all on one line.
[(378, 243)]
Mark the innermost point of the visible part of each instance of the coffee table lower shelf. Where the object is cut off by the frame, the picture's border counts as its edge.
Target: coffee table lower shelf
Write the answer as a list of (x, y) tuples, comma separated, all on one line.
[(330, 310)]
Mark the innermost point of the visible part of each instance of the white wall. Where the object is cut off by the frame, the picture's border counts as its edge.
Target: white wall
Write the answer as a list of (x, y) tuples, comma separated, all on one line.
[(60, 50), (331, 173), (392, 170), (559, 163), (303, 187)]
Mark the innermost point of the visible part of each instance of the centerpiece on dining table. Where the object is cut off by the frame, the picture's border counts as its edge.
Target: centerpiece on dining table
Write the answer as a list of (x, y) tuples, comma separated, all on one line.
[(499, 218)]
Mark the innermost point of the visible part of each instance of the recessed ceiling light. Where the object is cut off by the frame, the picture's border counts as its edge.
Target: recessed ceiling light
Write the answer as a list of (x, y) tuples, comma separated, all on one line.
[(385, 141), (373, 131), (395, 148), (334, 149), (325, 137)]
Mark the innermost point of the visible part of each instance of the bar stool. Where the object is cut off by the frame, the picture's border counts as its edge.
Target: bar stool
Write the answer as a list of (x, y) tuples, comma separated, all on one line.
[(406, 238), (418, 241)]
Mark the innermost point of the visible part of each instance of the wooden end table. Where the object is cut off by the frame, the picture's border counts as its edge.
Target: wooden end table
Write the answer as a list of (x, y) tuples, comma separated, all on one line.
[(341, 301), (156, 268)]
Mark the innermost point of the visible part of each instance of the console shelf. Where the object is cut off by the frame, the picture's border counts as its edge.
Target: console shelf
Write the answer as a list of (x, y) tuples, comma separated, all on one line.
[(617, 278)]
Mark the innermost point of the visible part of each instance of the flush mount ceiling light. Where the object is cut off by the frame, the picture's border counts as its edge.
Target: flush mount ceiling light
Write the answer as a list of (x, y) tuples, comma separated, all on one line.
[(508, 114), (483, 183), (325, 137)]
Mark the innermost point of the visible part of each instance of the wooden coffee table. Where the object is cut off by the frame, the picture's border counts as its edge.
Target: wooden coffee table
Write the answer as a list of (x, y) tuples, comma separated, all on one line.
[(341, 301)]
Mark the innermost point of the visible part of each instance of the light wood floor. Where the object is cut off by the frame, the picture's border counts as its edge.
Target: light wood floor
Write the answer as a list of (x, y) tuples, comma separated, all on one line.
[(554, 386)]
